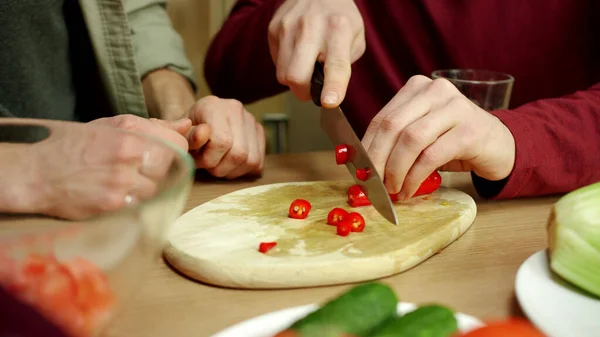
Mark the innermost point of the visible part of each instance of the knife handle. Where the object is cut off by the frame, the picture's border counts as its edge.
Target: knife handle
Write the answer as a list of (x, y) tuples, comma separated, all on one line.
[(316, 83)]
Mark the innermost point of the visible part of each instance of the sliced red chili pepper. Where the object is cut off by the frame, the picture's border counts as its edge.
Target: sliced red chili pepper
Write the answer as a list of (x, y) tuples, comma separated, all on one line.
[(431, 184), (357, 222), (341, 154), (363, 174), (344, 228), (336, 215), (266, 246), (299, 209), (356, 197)]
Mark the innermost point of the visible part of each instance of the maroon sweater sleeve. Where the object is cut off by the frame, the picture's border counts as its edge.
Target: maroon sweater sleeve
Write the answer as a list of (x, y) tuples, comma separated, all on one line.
[(238, 63), (557, 146)]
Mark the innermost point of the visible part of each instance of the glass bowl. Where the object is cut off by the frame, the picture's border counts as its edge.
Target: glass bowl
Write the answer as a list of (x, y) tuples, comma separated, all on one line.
[(77, 275)]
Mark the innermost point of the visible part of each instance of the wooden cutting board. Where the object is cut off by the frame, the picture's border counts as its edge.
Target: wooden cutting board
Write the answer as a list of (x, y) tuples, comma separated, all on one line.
[(217, 242)]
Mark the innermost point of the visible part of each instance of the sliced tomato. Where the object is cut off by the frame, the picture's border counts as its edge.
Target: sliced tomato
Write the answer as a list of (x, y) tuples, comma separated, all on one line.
[(56, 288), (513, 327), (363, 174), (342, 154), (34, 265), (344, 228), (93, 288), (357, 222), (336, 215), (266, 246), (431, 184), (299, 209), (356, 197)]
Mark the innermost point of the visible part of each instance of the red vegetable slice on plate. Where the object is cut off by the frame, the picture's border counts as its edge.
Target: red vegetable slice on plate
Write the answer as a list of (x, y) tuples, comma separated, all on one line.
[(356, 197), (336, 215), (357, 222), (299, 209), (344, 228), (266, 246), (341, 154)]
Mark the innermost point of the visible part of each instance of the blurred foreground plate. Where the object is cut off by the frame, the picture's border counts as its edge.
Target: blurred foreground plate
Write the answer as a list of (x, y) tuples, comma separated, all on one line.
[(270, 324), (556, 307)]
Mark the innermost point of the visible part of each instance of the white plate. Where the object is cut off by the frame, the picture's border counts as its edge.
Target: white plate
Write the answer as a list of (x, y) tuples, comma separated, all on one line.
[(553, 305), (269, 324)]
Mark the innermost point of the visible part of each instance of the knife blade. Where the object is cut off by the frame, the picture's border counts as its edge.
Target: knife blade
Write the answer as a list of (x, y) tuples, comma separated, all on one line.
[(339, 131)]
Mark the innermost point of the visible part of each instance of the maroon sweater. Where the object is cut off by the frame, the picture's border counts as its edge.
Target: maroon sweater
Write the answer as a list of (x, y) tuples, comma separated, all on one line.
[(551, 47)]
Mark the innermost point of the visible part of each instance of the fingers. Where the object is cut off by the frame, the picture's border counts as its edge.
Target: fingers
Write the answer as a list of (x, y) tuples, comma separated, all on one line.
[(262, 147), (337, 67), (238, 152), (254, 154), (198, 136), (219, 143), (412, 87), (236, 145), (431, 96), (166, 131), (285, 52), (122, 185), (301, 66), (414, 139), (181, 126), (443, 150)]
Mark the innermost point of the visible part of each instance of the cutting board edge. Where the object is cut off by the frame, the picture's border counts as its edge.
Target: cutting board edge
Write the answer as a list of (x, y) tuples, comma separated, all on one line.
[(179, 261)]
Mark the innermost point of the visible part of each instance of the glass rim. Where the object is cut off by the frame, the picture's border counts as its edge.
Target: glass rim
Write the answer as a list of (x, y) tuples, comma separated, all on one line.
[(178, 182), (507, 77)]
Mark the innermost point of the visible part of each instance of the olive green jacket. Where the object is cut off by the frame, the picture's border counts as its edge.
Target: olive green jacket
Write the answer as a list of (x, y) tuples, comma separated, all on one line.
[(130, 39)]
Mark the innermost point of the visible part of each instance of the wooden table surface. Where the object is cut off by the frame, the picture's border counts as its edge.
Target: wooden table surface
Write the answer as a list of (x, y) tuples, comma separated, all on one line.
[(474, 275)]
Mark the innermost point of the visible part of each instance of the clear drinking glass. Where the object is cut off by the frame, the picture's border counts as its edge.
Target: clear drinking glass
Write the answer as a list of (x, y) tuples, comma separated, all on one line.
[(490, 90), (77, 275)]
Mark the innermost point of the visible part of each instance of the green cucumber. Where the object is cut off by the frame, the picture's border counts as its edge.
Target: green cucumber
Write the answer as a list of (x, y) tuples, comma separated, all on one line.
[(355, 312), (426, 321)]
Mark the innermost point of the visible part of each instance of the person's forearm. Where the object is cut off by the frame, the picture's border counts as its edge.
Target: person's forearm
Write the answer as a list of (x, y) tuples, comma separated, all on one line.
[(20, 188), (238, 63), (168, 94), (557, 146)]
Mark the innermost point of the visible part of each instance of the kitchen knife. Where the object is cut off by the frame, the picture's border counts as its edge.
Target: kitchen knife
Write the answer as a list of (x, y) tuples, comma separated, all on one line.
[(339, 130)]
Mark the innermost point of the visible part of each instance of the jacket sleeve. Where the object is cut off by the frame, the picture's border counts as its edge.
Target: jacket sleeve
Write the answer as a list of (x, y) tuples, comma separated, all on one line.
[(557, 146), (238, 63), (156, 43)]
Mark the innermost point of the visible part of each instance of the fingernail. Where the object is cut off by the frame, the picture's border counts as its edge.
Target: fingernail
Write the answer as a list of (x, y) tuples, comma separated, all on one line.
[(331, 97)]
